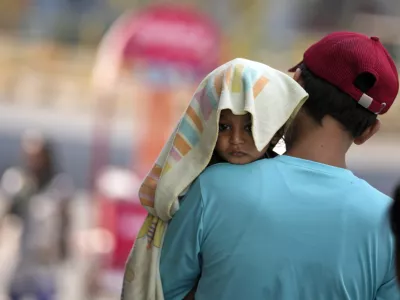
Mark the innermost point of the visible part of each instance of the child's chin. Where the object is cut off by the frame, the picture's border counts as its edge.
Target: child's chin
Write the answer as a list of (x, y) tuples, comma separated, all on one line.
[(239, 161)]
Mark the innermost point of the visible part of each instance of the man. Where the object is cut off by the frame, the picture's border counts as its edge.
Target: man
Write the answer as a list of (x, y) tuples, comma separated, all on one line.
[(299, 226)]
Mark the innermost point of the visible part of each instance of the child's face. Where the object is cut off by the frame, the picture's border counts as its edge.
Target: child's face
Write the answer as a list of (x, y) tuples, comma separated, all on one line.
[(235, 142)]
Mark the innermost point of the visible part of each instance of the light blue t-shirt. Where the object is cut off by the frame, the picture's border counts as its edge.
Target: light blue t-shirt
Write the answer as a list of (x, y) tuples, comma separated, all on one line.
[(280, 229)]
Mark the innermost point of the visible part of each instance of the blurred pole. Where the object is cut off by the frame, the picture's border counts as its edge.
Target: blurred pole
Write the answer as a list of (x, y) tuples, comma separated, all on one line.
[(278, 24), (159, 121), (100, 154), (245, 28), (106, 73)]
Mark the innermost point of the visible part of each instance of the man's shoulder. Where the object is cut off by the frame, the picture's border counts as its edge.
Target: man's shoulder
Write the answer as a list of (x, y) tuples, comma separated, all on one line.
[(380, 201), (225, 176), (369, 205), (226, 170), (374, 195)]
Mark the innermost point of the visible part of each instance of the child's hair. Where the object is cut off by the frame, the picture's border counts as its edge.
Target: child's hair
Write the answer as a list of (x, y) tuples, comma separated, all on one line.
[(395, 224)]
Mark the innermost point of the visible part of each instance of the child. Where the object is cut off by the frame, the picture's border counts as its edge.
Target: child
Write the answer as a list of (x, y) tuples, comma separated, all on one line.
[(234, 116)]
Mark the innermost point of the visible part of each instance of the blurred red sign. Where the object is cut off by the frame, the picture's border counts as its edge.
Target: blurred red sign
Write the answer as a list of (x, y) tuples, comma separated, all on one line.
[(129, 218), (172, 34), (123, 219)]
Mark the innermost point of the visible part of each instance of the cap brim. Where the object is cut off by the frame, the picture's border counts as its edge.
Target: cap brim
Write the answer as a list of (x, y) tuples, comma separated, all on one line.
[(293, 69)]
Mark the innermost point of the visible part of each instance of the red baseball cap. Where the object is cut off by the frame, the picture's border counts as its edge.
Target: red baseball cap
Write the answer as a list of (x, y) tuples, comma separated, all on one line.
[(341, 56)]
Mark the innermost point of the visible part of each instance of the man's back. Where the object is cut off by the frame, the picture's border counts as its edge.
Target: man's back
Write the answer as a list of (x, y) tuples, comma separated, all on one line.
[(282, 229)]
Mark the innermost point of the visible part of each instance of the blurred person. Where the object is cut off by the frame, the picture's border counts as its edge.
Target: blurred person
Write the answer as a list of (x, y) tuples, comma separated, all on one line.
[(301, 225), (49, 21), (237, 115), (282, 24), (378, 18), (38, 194), (41, 18), (74, 14), (395, 222)]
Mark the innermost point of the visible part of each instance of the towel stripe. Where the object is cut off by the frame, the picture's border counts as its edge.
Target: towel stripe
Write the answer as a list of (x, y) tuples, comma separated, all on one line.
[(218, 84), (160, 228), (204, 102), (156, 172), (148, 188), (170, 163), (175, 154), (259, 86), (212, 95), (190, 133), (148, 191), (146, 202), (151, 181), (181, 145), (249, 77), (145, 197), (195, 119), (167, 167), (237, 78), (228, 77), (145, 227)]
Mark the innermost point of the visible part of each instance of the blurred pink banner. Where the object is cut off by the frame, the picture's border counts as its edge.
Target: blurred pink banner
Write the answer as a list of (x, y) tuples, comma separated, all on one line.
[(172, 34)]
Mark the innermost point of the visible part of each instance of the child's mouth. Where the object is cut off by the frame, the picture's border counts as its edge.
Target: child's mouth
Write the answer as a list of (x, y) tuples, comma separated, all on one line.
[(238, 154)]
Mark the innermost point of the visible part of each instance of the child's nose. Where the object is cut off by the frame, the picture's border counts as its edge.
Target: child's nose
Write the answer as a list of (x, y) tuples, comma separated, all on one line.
[(237, 137)]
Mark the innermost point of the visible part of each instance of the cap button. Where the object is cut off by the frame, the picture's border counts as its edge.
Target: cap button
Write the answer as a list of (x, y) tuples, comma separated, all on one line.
[(375, 38)]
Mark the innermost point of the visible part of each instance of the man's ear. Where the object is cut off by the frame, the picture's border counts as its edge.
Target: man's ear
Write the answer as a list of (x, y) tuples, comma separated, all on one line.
[(368, 133)]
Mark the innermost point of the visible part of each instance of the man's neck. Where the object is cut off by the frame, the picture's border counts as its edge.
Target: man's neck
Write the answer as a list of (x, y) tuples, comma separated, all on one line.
[(329, 151)]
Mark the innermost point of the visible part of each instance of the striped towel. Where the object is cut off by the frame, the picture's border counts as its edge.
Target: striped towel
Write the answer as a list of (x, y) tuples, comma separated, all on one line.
[(270, 96)]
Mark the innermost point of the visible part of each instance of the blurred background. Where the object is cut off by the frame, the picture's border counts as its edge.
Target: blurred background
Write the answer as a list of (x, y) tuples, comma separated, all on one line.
[(90, 90)]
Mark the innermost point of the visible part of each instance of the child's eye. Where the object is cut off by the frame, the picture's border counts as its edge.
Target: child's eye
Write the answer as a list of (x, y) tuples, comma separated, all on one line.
[(223, 127), (248, 128)]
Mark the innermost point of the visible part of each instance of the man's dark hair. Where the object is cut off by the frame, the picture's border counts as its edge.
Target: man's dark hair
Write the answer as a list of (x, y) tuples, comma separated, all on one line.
[(326, 99), (395, 224)]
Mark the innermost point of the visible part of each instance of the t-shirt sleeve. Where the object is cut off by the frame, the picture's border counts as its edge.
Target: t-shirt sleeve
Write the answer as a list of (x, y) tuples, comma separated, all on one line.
[(390, 289), (180, 263)]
